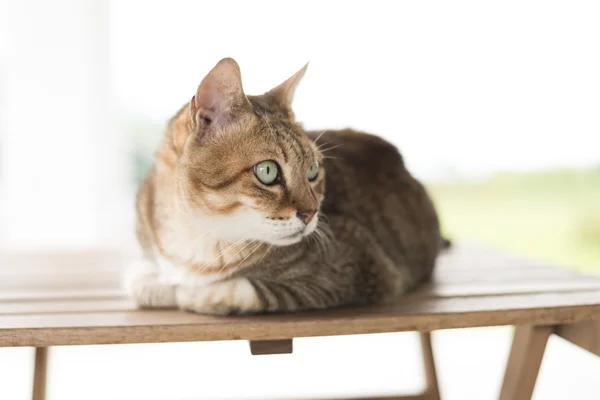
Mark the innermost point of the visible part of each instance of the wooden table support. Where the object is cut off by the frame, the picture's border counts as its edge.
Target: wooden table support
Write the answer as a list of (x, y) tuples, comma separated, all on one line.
[(524, 361), (40, 373), (76, 298), (584, 334), (525, 358), (432, 391), (263, 347)]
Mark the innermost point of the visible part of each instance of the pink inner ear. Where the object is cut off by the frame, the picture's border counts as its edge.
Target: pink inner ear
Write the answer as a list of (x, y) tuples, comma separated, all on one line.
[(208, 104), (220, 92)]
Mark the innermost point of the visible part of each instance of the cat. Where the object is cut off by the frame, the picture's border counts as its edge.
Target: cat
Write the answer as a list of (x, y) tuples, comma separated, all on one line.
[(245, 212)]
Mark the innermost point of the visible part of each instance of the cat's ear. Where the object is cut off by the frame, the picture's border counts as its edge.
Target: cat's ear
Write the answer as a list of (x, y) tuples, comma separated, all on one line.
[(220, 96), (284, 93)]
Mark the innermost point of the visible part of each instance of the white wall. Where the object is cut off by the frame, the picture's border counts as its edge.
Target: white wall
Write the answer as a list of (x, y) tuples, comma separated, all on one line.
[(468, 85), (63, 171)]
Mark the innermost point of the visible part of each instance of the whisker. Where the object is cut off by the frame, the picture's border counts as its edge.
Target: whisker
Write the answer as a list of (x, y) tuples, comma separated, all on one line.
[(319, 137), (232, 257), (324, 234), (263, 257), (324, 144), (329, 148), (322, 241), (314, 238), (219, 254), (311, 238), (245, 258)]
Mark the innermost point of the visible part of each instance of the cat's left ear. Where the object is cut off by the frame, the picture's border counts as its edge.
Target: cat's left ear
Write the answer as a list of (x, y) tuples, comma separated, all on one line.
[(220, 97), (284, 93)]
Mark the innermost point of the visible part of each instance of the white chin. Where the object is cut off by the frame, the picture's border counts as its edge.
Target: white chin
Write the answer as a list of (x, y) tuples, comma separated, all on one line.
[(294, 238), (285, 241)]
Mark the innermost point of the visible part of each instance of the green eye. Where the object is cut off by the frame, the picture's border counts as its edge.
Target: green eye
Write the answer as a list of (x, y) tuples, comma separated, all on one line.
[(313, 171), (266, 171)]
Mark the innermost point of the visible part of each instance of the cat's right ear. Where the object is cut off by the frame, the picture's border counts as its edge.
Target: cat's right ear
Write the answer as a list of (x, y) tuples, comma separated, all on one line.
[(220, 96), (284, 93)]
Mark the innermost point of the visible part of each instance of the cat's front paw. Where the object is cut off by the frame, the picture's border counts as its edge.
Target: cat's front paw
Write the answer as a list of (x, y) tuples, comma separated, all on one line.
[(219, 298), (151, 293)]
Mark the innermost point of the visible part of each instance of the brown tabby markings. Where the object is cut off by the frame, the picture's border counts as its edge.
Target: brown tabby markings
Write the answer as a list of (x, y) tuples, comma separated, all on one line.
[(216, 240)]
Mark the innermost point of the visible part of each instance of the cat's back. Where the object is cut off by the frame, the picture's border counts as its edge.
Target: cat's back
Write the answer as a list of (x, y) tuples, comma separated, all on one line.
[(356, 149), (361, 168), (367, 182)]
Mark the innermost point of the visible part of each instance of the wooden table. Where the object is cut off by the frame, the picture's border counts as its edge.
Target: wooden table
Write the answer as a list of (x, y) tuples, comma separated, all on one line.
[(75, 299)]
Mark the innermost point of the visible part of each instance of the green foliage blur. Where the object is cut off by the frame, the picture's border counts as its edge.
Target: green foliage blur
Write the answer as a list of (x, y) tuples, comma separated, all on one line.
[(551, 215)]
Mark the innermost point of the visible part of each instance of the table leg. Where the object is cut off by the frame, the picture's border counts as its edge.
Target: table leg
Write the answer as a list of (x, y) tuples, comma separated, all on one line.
[(40, 373), (524, 361)]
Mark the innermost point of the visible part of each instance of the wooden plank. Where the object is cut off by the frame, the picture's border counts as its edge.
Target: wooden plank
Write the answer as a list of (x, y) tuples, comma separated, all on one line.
[(35, 264), (482, 265), (525, 359), (38, 257), (504, 274), (69, 306), (83, 302), (442, 289), (77, 294), (59, 272), (174, 326), (263, 347), (22, 285), (469, 258), (585, 334), (437, 288)]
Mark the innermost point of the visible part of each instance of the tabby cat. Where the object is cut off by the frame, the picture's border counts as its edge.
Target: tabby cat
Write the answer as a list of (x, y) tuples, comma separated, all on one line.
[(246, 212)]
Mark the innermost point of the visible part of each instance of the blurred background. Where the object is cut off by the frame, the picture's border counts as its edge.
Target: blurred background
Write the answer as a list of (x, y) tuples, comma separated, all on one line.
[(494, 105)]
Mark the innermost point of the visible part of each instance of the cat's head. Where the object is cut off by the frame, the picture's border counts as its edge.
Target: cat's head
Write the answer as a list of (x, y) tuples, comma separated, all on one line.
[(244, 165)]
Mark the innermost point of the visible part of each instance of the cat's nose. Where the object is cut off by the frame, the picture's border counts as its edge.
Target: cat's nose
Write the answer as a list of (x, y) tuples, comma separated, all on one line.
[(306, 215)]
